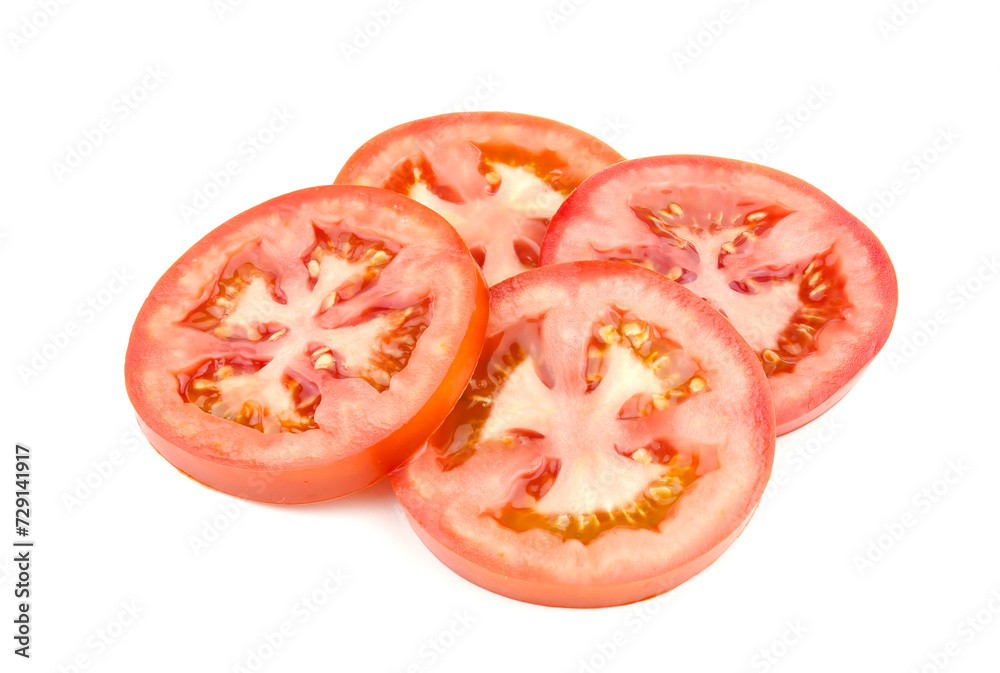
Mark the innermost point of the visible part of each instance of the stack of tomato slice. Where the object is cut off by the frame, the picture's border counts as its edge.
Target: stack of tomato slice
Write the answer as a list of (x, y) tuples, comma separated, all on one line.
[(593, 429)]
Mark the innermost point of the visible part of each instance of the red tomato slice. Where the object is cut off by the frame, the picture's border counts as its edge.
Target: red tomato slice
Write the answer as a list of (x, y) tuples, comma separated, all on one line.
[(614, 440), (307, 346), (806, 283), (496, 176)]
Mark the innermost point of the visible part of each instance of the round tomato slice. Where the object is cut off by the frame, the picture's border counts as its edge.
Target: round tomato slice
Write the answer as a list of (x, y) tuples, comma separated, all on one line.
[(615, 438), (306, 347), (496, 176), (806, 283)]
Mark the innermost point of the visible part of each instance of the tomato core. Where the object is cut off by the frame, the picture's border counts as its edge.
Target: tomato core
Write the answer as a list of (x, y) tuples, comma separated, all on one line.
[(246, 307), (672, 378), (701, 241)]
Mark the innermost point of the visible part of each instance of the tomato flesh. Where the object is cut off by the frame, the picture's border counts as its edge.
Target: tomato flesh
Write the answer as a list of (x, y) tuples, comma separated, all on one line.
[(306, 347), (585, 464), (497, 177), (807, 285)]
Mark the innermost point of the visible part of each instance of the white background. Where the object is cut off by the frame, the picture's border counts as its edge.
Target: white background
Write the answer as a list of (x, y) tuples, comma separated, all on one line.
[(610, 68)]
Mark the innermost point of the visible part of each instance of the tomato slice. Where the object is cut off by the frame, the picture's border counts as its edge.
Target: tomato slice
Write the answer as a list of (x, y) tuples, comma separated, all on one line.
[(616, 436), (307, 346), (496, 176), (806, 283)]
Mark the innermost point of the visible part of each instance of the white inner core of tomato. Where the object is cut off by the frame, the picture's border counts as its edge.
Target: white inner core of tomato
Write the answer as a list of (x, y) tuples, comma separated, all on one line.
[(501, 210), (720, 243), (595, 475), (253, 309), (521, 191), (576, 481), (762, 317), (285, 338)]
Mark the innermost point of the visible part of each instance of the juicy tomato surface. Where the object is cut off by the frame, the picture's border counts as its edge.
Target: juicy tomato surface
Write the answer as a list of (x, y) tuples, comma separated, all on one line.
[(615, 438), (496, 176), (306, 347), (807, 284)]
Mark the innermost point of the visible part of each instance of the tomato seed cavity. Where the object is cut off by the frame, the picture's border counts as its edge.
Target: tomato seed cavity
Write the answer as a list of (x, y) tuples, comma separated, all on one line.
[(679, 378), (216, 387), (681, 230), (823, 300), (391, 351), (501, 354), (538, 183), (664, 357), (345, 246), (242, 309), (647, 511), (221, 315)]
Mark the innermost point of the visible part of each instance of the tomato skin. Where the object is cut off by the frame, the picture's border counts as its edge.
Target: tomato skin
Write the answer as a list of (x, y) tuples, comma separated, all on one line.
[(829, 375), (643, 563), (357, 165), (572, 595), (201, 445)]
